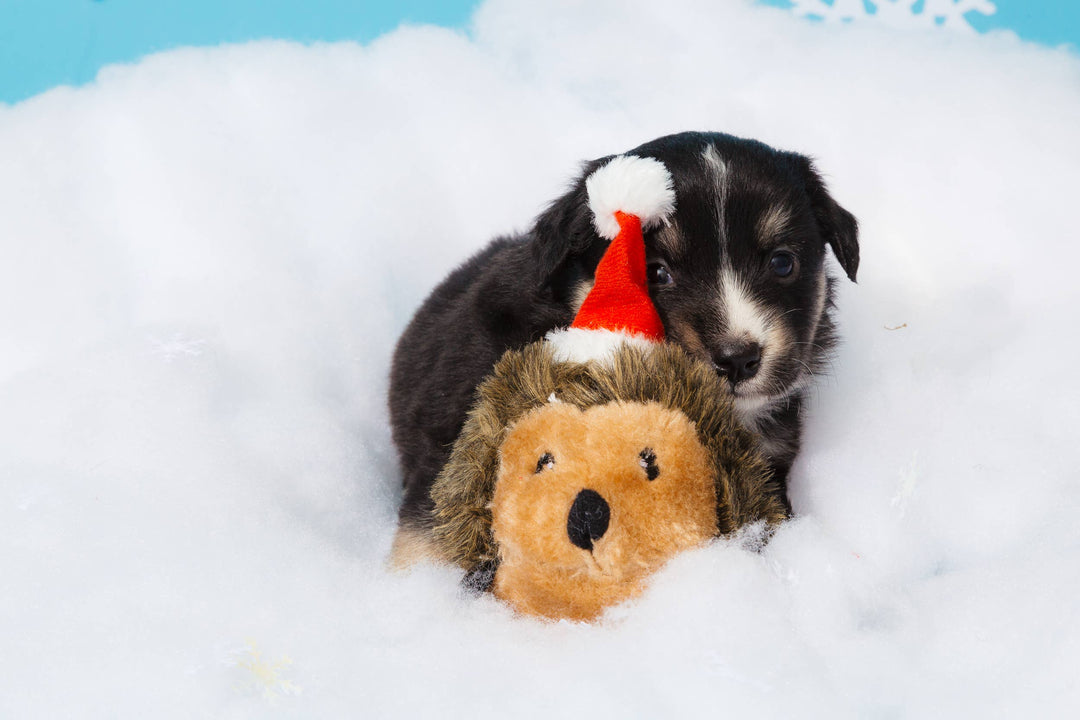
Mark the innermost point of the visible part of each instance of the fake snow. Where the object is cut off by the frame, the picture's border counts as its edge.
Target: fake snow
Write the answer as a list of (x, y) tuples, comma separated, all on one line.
[(208, 257)]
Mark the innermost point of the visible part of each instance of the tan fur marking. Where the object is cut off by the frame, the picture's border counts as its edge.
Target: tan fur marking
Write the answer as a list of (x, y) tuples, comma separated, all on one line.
[(772, 224), (669, 241), (819, 311), (686, 335), (410, 547), (580, 293)]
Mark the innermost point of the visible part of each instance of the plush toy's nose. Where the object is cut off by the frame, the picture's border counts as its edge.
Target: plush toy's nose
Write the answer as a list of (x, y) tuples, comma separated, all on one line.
[(588, 521)]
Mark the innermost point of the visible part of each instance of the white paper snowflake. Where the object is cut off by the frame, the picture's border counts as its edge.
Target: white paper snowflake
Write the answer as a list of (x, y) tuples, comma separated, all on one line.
[(897, 13), (259, 675)]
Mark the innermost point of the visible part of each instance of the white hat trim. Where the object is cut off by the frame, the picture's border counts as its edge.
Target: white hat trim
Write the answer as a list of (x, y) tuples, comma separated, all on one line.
[(633, 185), (587, 344)]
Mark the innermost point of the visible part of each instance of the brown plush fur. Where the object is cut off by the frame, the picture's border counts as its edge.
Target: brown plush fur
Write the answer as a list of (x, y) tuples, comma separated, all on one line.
[(459, 530), (540, 570)]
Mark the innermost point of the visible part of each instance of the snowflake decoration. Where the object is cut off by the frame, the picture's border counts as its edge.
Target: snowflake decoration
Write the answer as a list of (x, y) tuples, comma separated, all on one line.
[(897, 13), (262, 676)]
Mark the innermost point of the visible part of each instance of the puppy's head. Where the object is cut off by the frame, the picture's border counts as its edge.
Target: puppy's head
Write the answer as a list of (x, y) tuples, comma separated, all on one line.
[(738, 274)]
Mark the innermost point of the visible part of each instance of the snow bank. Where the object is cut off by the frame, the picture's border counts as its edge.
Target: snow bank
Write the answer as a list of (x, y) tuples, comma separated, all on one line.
[(207, 258)]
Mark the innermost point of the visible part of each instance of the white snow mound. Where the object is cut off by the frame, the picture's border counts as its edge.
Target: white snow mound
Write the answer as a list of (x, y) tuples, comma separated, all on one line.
[(208, 256)]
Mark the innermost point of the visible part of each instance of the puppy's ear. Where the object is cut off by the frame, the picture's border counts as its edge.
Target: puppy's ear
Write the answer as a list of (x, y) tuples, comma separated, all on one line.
[(837, 225), (565, 228)]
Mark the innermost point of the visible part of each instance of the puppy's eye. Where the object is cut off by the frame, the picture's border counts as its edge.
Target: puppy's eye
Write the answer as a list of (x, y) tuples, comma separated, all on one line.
[(647, 460), (657, 273), (783, 264), (546, 462)]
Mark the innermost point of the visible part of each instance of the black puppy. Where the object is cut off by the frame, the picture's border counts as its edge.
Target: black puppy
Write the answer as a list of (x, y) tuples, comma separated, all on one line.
[(738, 277)]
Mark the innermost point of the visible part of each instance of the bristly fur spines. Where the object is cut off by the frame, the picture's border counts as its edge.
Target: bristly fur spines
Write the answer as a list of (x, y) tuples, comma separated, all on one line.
[(526, 379)]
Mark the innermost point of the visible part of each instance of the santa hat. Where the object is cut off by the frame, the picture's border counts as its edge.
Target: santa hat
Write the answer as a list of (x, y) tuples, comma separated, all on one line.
[(627, 196)]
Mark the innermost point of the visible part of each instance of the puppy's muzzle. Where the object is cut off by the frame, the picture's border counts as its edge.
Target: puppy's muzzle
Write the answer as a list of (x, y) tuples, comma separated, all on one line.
[(739, 363)]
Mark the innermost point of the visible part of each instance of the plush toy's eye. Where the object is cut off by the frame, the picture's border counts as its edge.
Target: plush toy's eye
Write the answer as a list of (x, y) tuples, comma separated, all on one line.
[(648, 461), (546, 462)]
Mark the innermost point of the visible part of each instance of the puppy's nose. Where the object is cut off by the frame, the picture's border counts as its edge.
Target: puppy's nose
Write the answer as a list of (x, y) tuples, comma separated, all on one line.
[(741, 363), (588, 520)]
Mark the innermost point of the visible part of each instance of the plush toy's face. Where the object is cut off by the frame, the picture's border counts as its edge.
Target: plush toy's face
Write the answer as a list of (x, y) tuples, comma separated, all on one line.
[(588, 503)]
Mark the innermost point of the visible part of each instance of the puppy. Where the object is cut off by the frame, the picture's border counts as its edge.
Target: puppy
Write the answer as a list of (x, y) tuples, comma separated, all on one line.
[(738, 276)]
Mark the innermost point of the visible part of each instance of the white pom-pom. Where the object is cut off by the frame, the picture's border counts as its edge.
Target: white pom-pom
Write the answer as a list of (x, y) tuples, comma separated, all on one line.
[(630, 184), (588, 344)]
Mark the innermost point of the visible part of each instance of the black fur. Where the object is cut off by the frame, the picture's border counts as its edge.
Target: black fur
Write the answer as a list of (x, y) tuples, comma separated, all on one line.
[(518, 288)]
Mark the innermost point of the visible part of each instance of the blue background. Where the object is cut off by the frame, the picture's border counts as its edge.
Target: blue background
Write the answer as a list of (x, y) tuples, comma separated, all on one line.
[(44, 43)]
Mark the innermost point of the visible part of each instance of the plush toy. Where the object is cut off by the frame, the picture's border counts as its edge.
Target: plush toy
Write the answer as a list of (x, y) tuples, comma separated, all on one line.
[(592, 457)]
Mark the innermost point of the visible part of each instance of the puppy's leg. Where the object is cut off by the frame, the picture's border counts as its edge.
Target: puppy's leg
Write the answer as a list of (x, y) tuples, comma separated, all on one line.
[(412, 545)]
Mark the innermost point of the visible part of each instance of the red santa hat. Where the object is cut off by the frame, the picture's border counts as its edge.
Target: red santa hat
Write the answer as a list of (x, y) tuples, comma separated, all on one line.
[(627, 196)]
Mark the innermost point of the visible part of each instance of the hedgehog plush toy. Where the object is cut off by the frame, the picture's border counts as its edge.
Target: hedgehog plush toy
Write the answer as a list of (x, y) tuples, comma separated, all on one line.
[(592, 457)]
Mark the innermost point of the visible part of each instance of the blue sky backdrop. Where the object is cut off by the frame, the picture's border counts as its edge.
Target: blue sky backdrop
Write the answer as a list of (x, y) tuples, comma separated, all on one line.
[(44, 43)]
